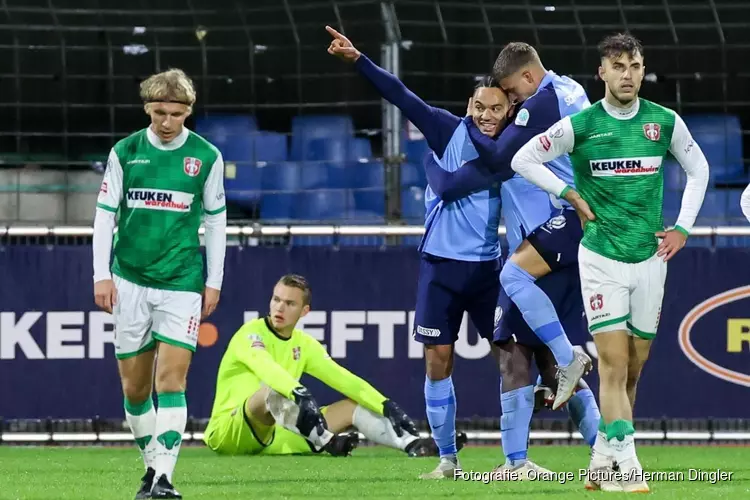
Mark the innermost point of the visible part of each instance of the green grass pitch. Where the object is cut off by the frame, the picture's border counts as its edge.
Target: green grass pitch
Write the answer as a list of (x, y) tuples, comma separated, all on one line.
[(93, 473)]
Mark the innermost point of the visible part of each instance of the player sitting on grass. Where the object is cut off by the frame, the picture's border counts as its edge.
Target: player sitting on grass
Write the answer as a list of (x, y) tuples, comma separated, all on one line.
[(261, 407), (160, 181)]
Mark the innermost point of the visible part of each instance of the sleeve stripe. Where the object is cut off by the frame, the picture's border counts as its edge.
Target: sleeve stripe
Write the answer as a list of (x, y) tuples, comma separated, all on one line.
[(106, 207), (217, 211)]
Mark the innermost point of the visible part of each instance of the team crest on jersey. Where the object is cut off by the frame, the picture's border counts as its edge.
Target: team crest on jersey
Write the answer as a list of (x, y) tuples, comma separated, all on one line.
[(295, 353), (192, 166), (652, 131), (596, 301)]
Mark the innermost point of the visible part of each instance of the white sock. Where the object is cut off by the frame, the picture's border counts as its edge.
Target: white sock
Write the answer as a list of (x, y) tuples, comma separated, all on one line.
[(171, 419), (285, 412), (624, 453), (142, 421), (379, 429), (601, 454)]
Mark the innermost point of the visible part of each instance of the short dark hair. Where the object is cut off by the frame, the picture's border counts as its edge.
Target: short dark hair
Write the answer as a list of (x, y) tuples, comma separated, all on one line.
[(619, 43), (486, 81), (513, 57), (298, 281)]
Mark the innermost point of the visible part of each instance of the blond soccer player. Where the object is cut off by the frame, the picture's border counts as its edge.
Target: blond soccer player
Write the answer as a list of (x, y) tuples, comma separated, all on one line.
[(160, 182)]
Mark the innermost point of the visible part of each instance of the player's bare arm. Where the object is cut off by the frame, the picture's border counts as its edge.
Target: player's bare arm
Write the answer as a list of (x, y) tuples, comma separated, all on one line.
[(529, 162), (692, 160)]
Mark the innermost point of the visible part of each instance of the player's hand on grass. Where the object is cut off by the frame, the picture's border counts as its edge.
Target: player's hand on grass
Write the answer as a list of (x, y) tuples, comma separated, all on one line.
[(210, 301), (582, 208), (399, 419), (105, 294), (341, 47), (672, 242)]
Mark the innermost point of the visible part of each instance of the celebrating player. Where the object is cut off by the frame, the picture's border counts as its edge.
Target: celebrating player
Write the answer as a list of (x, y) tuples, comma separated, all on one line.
[(161, 180), (617, 147), (258, 387), (460, 249), (543, 231)]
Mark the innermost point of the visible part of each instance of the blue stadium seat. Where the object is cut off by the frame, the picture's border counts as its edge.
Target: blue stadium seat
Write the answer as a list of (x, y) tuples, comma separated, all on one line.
[(714, 209), (416, 150), (320, 175), (363, 217), (329, 149), (412, 205), (412, 174), (280, 176), (720, 138), (242, 184), (271, 147), (734, 211), (308, 128), (368, 182), (232, 134), (323, 205), (277, 207), (361, 149)]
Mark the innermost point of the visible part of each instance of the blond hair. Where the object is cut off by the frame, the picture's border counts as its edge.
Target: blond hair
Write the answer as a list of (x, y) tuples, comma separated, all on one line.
[(169, 86)]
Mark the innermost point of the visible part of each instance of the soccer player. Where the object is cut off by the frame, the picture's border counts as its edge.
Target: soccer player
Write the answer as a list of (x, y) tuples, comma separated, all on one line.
[(160, 181), (514, 346), (460, 249), (543, 231), (617, 147), (262, 408)]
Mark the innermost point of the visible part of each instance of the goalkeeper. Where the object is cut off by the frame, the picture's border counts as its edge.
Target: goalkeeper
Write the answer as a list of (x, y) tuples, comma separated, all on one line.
[(261, 407), (617, 147)]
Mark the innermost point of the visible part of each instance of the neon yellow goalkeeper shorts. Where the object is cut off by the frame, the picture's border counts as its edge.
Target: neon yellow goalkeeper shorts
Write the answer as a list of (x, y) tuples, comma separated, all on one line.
[(231, 434)]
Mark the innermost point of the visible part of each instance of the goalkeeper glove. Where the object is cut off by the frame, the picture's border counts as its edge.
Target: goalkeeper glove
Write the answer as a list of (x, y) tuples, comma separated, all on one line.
[(310, 419), (399, 419)]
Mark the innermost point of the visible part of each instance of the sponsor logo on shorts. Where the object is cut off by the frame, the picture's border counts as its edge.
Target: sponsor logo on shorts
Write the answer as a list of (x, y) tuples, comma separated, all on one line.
[(596, 301), (159, 199), (428, 332), (192, 331), (652, 131), (557, 222), (192, 166), (295, 353), (498, 315), (736, 336), (645, 165)]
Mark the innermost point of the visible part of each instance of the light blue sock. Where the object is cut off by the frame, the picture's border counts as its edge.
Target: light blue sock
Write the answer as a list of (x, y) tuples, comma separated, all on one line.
[(441, 413), (537, 310), (585, 414), (518, 406)]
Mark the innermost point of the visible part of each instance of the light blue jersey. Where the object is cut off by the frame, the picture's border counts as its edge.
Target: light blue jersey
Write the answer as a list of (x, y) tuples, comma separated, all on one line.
[(525, 206), (465, 229)]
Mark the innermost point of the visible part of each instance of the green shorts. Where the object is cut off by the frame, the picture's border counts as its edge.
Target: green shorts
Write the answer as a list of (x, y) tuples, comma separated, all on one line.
[(231, 434)]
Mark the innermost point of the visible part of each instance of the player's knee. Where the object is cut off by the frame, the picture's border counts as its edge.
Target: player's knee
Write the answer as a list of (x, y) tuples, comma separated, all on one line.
[(510, 276), (168, 380), (136, 391), (513, 375)]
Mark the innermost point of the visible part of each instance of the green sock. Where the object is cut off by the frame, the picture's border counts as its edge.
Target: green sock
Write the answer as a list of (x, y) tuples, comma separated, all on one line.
[(619, 429)]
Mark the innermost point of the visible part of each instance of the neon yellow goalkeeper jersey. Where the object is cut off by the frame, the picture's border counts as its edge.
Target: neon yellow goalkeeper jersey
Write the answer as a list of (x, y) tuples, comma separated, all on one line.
[(160, 193), (257, 354)]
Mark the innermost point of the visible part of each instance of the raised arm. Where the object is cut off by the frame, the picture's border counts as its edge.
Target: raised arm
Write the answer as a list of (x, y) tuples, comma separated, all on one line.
[(693, 162), (436, 124)]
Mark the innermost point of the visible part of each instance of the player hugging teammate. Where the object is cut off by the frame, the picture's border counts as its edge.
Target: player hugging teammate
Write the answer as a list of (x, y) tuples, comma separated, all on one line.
[(160, 182)]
